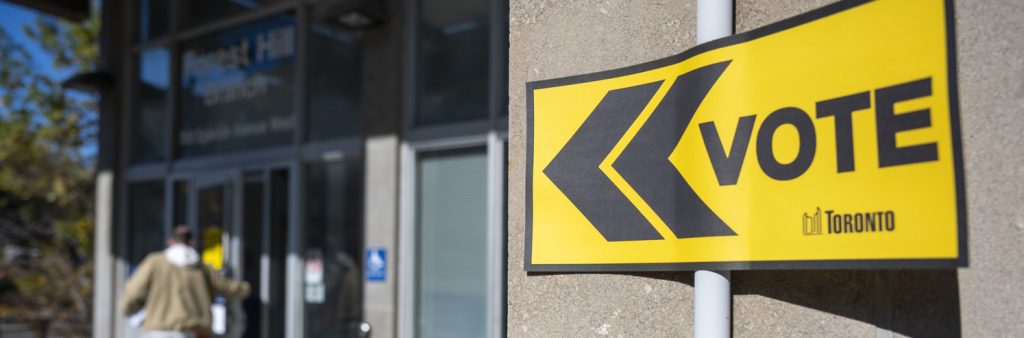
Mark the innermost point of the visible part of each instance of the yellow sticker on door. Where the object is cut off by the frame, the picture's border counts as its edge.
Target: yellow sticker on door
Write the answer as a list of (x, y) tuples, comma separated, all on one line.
[(827, 140)]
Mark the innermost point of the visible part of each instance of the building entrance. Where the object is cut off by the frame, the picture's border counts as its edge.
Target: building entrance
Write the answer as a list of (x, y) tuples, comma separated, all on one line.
[(241, 221)]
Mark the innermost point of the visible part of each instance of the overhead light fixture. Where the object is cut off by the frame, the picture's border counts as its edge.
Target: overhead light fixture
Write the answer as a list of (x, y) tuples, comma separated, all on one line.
[(351, 15), (356, 20), (89, 81)]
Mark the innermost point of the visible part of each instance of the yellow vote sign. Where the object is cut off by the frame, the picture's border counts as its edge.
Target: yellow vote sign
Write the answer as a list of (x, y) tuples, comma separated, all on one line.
[(828, 140), (213, 249)]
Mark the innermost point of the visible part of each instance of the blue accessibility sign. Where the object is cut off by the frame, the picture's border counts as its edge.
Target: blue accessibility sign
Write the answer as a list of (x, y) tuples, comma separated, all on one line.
[(376, 264)]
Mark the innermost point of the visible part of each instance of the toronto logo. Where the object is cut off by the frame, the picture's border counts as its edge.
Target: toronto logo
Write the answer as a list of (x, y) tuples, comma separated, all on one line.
[(845, 223), (812, 223)]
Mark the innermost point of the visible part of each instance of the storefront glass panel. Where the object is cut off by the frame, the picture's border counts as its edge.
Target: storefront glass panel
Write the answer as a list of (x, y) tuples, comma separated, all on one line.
[(333, 279), (153, 19), (149, 122), (275, 239), (253, 219), (335, 82), (237, 89), (145, 220), (452, 61), (180, 216)]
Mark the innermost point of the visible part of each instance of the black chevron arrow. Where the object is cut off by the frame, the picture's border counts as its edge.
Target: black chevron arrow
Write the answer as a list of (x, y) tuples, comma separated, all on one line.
[(644, 163), (574, 169)]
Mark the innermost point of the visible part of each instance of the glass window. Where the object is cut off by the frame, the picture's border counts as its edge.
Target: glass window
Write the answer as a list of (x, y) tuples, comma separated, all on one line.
[(333, 298), (335, 80), (153, 19), (147, 132), (198, 12), (237, 89), (253, 217), (275, 246), (453, 57), (211, 211), (145, 220), (451, 248), (180, 216)]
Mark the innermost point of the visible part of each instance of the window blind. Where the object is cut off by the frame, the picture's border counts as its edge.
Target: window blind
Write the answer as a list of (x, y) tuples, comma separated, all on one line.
[(451, 288)]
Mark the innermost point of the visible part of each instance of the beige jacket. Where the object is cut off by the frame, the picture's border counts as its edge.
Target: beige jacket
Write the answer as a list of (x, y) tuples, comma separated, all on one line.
[(176, 290)]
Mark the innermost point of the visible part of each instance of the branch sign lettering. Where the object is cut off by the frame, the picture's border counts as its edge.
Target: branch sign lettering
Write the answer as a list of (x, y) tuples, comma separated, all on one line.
[(828, 140)]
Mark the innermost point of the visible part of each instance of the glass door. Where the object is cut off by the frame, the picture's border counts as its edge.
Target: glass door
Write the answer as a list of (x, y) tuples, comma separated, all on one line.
[(253, 255), (333, 246), (212, 224), (265, 230), (240, 221), (212, 215)]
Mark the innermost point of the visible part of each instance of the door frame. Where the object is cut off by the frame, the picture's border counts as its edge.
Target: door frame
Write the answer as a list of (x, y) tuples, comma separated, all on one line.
[(232, 193), (234, 179), (493, 143)]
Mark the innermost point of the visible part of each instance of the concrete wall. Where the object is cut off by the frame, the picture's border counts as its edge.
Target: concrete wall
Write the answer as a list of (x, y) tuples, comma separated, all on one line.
[(991, 54), (550, 39)]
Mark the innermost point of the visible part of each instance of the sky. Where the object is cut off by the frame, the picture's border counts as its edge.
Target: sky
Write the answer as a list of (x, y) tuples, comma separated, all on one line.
[(12, 19)]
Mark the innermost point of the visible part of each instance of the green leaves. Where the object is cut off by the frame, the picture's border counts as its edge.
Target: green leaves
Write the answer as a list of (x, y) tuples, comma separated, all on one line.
[(45, 180), (72, 45)]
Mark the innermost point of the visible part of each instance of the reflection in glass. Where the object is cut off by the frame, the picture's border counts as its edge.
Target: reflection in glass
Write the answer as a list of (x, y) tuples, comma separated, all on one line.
[(148, 141), (334, 84), (451, 244), (145, 220), (333, 297), (211, 214), (452, 58), (275, 242), (153, 19), (180, 216), (198, 12), (237, 89), (252, 248)]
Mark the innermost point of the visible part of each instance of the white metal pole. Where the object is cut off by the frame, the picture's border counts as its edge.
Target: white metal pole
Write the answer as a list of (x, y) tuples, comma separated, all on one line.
[(714, 19), (712, 306)]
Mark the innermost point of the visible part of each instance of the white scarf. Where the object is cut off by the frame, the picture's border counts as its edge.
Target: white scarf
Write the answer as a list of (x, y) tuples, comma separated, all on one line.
[(181, 255)]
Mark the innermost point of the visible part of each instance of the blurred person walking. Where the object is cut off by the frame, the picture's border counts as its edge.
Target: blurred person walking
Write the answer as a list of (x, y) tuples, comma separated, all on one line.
[(176, 290)]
